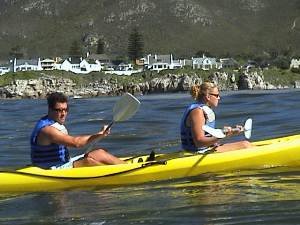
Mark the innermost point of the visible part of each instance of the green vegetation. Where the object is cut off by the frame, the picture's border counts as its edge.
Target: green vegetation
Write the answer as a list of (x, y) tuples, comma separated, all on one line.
[(100, 46), (135, 45), (277, 76), (75, 49), (10, 77), (220, 28)]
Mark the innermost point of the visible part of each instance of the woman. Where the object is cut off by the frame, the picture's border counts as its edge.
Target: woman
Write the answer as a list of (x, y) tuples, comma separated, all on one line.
[(193, 137)]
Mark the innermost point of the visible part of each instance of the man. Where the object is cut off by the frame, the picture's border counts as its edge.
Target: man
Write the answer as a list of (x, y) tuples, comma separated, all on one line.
[(50, 140)]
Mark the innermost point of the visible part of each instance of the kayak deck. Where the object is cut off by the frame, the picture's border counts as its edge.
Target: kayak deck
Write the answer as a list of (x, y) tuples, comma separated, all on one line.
[(265, 154)]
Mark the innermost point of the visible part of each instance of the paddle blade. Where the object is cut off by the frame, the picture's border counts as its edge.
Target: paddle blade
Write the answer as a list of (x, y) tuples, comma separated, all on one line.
[(125, 107), (248, 128), (218, 133)]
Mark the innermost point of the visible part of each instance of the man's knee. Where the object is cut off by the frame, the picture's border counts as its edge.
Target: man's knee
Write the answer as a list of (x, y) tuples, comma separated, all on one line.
[(96, 152), (246, 144), (96, 157)]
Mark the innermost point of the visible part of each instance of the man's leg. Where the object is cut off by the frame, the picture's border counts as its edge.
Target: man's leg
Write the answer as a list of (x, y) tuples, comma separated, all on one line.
[(96, 158)]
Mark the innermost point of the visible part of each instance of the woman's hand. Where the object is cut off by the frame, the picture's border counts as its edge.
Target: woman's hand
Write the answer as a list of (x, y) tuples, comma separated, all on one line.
[(238, 129), (229, 131)]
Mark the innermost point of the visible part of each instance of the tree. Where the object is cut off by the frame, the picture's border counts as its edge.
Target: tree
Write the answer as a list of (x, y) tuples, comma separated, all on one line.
[(16, 52), (282, 62), (273, 54), (135, 45), (200, 53), (75, 49), (100, 46)]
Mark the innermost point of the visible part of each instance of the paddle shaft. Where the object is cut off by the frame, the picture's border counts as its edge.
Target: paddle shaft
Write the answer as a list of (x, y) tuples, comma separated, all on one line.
[(221, 133), (123, 109), (109, 125), (237, 129)]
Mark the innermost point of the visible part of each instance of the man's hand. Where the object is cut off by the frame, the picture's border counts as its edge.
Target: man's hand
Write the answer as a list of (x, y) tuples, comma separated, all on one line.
[(104, 131)]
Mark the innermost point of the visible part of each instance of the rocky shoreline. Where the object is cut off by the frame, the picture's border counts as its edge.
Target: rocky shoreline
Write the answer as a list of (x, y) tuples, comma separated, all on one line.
[(38, 88)]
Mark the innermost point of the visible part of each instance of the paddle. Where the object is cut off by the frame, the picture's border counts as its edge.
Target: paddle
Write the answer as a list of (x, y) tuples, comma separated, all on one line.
[(123, 110), (221, 133)]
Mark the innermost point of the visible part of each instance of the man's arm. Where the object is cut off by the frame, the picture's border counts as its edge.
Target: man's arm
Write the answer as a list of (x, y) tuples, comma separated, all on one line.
[(50, 135)]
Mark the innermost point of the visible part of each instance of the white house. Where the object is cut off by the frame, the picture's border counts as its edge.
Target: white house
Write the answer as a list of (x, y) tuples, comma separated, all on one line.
[(4, 70), (295, 63), (70, 64), (80, 66), (90, 66), (159, 66), (104, 59), (123, 69), (161, 62), (228, 63), (204, 63), (185, 62), (48, 64), (27, 65)]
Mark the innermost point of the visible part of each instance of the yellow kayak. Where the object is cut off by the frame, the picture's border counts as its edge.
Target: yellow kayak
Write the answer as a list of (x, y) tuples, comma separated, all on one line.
[(265, 154)]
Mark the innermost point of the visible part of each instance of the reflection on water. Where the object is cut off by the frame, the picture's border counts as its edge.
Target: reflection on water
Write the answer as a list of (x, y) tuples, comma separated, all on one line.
[(245, 197)]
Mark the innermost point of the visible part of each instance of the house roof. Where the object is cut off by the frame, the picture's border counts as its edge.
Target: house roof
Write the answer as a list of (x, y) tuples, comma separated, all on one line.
[(160, 59), (20, 62), (48, 60), (228, 61), (201, 60), (74, 60)]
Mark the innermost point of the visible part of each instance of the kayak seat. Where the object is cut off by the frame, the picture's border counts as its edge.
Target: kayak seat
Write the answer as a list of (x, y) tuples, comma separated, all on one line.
[(151, 157), (140, 160)]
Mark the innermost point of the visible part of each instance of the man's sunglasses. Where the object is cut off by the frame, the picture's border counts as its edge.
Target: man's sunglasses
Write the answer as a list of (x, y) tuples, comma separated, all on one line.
[(61, 110)]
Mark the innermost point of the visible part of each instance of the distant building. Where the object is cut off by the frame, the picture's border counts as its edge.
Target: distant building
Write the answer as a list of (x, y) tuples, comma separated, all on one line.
[(140, 62), (295, 63), (79, 66), (103, 59), (123, 69), (228, 63), (48, 64), (250, 65), (186, 62), (4, 67), (161, 62), (27, 65), (4, 70), (205, 63)]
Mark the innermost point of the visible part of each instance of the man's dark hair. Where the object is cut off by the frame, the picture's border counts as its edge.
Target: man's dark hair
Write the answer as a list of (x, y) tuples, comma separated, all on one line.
[(55, 97)]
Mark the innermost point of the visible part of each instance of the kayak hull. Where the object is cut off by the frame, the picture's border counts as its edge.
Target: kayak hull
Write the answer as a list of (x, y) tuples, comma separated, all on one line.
[(276, 152)]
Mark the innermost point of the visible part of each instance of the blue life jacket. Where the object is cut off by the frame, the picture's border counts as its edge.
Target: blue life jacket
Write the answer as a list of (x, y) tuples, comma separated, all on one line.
[(187, 141), (46, 156)]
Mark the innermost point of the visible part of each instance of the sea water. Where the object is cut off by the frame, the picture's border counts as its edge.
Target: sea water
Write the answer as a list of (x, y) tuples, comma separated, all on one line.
[(243, 197)]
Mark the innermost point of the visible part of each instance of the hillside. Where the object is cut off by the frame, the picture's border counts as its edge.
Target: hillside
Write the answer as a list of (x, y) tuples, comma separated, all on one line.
[(182, 27)]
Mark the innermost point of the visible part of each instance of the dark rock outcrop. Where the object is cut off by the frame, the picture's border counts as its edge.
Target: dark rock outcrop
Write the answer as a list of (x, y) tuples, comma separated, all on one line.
[(38, 88)]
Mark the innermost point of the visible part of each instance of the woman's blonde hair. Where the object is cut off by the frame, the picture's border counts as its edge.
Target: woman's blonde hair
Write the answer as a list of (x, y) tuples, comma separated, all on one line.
[(199, 91)]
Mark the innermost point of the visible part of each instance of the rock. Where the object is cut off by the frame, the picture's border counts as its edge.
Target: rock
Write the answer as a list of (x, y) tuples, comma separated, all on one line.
[(38, 88), (251, 81)]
